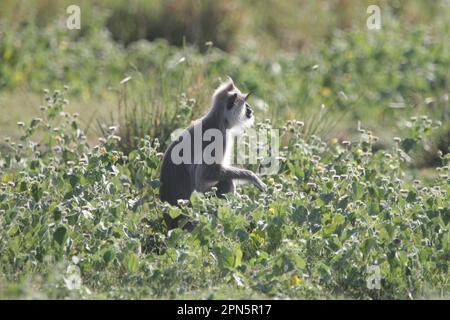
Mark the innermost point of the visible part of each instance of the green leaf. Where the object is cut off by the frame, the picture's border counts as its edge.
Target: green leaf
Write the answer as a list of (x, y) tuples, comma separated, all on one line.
[(174, 212), (74, 180), (357, 190), (411, 197), (174, 237), (237, 256), (299, 262), (133, 155), (131, 262), (408, 144), (229, 258), (108, 255), (36, 191), (326, 197), (154, 183), (34, 123), (300, 214), (60, 235), (343, 202), (196, 197), (331, 227)]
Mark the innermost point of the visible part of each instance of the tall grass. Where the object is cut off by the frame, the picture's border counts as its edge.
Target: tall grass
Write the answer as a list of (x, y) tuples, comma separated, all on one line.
[(144, 110)]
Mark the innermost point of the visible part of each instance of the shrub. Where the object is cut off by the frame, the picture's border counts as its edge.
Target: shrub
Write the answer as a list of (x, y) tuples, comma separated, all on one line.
[(88, 221)]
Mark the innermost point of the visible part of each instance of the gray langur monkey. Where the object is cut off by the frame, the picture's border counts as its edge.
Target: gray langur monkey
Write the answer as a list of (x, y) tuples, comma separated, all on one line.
[(230, 114)]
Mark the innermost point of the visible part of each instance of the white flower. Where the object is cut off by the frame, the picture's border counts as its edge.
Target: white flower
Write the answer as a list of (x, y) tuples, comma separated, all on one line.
[(73, 278), (73, 282)]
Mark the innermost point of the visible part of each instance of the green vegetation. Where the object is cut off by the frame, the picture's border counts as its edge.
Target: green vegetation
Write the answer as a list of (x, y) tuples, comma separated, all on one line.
[(79, 210), (330, 213)]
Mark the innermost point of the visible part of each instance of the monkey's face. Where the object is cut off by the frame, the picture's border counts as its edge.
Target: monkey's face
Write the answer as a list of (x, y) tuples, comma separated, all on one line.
[(238, 112)]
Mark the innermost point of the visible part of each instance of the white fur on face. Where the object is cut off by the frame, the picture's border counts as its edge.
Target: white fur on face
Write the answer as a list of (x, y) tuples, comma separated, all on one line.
[(237, 117)]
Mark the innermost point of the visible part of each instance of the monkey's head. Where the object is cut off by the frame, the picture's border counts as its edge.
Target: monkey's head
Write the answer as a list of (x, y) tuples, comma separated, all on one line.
[(232, 106)]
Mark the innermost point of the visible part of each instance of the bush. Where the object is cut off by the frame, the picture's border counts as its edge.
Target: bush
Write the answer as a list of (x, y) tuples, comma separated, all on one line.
[(86, 221)]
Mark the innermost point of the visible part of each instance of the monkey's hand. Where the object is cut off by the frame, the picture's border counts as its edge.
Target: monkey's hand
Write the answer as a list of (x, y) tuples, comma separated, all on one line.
[(259, 184), (218, 172)]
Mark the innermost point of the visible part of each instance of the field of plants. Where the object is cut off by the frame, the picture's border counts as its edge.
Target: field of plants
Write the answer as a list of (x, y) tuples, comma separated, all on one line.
[(364, 123)]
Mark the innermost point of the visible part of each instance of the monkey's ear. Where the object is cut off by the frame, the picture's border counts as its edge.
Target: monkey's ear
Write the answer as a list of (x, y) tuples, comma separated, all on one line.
[(228, 85), (231, 100), (223, 90)]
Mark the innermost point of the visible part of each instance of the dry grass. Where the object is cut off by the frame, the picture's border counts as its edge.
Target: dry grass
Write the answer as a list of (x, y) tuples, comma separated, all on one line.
[(23, 105)]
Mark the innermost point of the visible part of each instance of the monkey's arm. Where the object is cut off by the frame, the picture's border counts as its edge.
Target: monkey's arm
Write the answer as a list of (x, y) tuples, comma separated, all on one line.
[(217, 172)]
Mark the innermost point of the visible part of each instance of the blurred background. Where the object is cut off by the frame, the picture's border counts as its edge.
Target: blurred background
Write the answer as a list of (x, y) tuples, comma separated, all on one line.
[(151, 66)]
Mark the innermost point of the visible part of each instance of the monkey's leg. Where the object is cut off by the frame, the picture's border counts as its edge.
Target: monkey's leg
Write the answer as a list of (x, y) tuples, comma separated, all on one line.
[(225, 186)]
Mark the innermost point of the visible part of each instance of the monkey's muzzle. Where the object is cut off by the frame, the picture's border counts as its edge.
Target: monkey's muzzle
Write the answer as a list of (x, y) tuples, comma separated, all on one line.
[(248, 111)]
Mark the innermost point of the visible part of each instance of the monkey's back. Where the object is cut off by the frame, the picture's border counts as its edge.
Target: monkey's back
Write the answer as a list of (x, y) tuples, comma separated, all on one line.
[(176, 182)]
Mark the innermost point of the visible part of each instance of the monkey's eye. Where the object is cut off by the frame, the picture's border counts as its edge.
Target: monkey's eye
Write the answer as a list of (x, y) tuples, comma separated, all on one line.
[(248, 111)]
